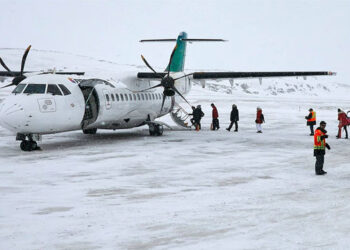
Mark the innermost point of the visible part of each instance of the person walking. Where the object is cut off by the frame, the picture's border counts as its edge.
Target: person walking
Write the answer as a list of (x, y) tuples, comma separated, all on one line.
[(311, 120), (343, 122), (260, 119), (215, 116), (197, 116), (319, 147), (234, 118), (192, 119)]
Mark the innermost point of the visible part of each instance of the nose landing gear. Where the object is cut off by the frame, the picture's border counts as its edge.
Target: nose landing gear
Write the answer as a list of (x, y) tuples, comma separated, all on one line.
[(28, 141)]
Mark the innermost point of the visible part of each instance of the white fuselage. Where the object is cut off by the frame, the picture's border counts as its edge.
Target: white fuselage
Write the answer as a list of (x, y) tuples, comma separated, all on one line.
[(41, 108)]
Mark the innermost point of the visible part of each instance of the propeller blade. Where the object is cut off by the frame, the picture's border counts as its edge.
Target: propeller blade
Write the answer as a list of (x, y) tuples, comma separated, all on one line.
[(149, 66), (171, 59), (158, 85), (4, 65), (8, 85), (164, 96), (178, 92), (183, 76), (24, 58)]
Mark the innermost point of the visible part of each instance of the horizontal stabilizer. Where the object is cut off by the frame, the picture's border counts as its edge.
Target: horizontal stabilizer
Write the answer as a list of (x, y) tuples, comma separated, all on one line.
[(203, 40), (157, 40), (227, 75), (183, 39)]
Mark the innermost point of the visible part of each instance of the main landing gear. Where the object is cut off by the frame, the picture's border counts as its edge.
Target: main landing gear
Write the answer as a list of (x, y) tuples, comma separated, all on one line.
[(90, 131), (155, 129), (29, 145), (28, 141)]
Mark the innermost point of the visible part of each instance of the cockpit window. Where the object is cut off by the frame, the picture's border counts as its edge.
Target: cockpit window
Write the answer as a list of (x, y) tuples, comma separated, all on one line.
[(64, 89), (53, 89), (19, 89), (35, 89)]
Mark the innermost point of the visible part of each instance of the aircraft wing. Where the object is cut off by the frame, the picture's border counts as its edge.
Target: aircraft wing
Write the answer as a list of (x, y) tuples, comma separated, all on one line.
[(18, 73), (232, 75)]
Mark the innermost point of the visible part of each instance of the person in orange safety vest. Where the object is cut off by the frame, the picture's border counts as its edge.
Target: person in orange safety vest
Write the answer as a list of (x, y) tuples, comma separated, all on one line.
[(319, 147), (311, 120)]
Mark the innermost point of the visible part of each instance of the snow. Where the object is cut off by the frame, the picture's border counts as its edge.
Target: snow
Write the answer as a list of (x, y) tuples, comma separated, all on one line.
[(187, 189)]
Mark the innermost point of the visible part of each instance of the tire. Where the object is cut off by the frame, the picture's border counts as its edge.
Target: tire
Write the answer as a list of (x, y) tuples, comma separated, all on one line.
[(91, 131), (26, 146), (159, 130), (152, 130), (33, 145)]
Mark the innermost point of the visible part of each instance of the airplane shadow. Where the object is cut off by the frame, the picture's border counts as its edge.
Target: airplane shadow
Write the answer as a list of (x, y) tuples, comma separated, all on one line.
[(79, 140)]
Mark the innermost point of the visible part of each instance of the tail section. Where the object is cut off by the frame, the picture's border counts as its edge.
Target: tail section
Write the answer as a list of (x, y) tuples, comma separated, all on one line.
[(178, 62)]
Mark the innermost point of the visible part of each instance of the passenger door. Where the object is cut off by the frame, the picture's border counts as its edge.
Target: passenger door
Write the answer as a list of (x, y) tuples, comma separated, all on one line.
[(108, 100)]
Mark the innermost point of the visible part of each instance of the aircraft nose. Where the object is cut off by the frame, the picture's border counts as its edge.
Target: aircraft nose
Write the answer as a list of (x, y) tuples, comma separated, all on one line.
[(11, 115)]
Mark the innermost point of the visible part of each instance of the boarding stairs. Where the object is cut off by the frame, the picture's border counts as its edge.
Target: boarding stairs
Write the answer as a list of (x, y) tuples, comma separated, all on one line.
[(181, 117)]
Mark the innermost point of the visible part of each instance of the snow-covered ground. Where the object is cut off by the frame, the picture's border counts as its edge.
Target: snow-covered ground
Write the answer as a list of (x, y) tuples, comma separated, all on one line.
[(186, 189)]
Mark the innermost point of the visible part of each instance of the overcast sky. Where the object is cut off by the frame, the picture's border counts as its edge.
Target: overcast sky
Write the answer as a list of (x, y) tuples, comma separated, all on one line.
[(263, 35)]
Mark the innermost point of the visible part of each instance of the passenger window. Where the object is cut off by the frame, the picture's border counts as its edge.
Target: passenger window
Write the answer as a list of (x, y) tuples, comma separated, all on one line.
[(35, 89), (112, 97), (143, 98), (130, 96), (64, 89), (18, 89), (153, 97), (53, 89), (138, 97), (121, 97), (146, 97), (126, 97), (107, 98), (117, 97)]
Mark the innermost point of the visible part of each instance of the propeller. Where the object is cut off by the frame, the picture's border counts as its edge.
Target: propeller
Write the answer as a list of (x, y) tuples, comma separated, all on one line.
[(17, 77), (167, 82)]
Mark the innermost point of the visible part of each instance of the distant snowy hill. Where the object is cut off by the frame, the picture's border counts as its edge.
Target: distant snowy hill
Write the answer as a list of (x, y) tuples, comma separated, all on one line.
[(98, 67)]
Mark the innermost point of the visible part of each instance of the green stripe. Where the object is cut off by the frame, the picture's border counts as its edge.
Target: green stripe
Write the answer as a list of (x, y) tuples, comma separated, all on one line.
[(178, 62)]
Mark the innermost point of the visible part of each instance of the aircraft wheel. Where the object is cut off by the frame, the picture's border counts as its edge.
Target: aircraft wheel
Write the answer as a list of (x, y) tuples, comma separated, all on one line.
[(155, 129), (152, 131), (91, 131), (159, 130), (26, 146)]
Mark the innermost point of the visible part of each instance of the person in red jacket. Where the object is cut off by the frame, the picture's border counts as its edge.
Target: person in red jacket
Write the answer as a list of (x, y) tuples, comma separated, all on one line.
[(343, 122), (259, 119), (215, 115)]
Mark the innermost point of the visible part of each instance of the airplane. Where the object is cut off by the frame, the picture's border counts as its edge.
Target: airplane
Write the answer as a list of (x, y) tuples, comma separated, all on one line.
[(54, 102)]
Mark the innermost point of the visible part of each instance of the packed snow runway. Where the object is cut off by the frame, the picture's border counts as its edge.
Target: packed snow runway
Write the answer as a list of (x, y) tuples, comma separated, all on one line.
[(186, 189)]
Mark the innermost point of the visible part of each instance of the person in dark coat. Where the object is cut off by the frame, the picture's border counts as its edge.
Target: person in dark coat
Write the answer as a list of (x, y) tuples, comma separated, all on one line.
[(192, 119), (197, 116), (234, 118), (215, 115), (311, 120), (320, 146)]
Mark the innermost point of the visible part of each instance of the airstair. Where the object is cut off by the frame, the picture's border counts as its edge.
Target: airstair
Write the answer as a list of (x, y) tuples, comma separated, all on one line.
[(181, 117)]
